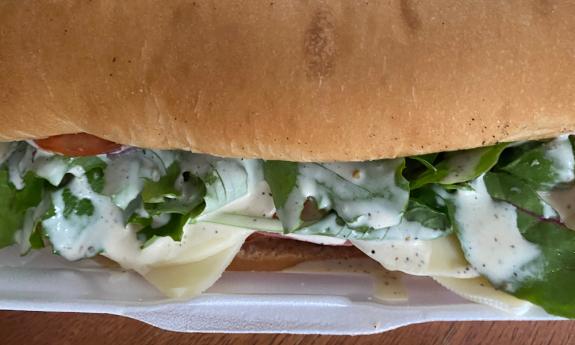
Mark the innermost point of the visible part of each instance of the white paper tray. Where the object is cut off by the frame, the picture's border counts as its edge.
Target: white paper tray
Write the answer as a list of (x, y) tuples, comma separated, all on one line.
[(238, 303)]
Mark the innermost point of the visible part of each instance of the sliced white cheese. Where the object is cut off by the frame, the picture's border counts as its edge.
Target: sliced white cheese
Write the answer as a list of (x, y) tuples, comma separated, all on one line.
[(479, 290), (199, 241), (180, 269), (191, 279), (440, 257)]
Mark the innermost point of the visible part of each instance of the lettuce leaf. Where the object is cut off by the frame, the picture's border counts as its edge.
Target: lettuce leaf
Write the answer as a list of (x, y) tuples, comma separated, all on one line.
[(549, 277), (546, 165), (367, 195), (183, 194), (16, 203), (138, 172), (225, 180), (503, 186), (420, 222), (460, 166), (54, 168)]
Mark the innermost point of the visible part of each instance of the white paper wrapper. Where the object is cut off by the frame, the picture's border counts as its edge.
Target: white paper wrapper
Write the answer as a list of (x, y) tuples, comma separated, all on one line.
[(238, 303)]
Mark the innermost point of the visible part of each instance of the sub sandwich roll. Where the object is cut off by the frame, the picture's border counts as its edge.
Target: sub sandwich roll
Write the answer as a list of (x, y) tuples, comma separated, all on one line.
[(286, 80), (181, 138)]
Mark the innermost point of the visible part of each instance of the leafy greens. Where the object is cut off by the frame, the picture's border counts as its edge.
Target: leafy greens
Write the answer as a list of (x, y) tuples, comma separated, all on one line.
[(158, 192)]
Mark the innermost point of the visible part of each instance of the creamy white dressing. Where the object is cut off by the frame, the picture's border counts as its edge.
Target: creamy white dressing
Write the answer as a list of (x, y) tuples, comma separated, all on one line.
[(351, 201), (205, 237), (18, 164), (77, 236), (226, 179), (254, 210), (243, 203), (407, 230), (53, 168), (179, 268), (190, 266), (125, 176), (257, 202), (439, 257), (377, 213), (560, 152), (489, 235)]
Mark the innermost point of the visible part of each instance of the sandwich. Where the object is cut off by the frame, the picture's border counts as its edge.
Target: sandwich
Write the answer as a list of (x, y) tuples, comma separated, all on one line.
[(176, 138)]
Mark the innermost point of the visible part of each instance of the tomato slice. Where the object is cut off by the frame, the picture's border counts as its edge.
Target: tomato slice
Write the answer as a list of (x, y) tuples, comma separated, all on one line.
[(79, 144)]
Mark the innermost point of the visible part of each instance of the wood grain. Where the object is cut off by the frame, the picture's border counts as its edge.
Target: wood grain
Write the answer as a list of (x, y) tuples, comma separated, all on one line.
[(86, 329)]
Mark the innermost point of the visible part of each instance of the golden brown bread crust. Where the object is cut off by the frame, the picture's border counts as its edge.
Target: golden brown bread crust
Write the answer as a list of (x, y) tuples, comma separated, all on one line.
[(262, 253), (294, 80)]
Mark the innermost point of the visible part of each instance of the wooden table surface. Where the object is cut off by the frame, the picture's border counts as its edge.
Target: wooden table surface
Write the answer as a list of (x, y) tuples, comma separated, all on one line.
[(84, 329)]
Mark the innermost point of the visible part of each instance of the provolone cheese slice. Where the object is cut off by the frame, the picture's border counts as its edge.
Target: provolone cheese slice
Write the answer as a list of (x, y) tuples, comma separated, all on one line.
[(180, 269), (440, 257), (479, 290), (191, 279), (200, 241)]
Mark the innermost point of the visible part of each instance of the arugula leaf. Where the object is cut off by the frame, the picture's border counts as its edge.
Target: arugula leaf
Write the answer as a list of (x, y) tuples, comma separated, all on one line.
[(502, 186), (420, 223), (53, 168), (204, 185), (461, 166), (96, 179), (31, 236), (425, 161), (140, 179), (156, 191), (14, 204), (364, 195), (225, 180), (190, 198), (174, 228), (553, 288), (544, 261), (427, 216), (178, 216), (172, 197), (431, 196), (282, 179), (546, 165), (36, 239), (139, 172), (76, 206)]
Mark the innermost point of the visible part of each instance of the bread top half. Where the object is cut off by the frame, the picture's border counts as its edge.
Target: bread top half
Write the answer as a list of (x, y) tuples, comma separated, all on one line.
[(304, 80)]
